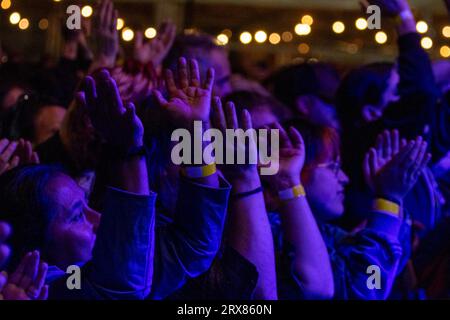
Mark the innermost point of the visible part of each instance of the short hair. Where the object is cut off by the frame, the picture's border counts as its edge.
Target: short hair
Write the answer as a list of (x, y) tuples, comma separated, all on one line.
[(321, 142), (252, 100), (361, 87), (26, 206)]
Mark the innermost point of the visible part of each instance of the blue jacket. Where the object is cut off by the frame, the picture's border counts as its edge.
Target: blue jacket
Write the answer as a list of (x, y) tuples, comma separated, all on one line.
[(130, 261), (350, 256)]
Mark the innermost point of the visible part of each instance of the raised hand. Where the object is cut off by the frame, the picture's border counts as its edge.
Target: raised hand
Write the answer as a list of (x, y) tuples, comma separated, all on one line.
[(105, 35), (397, 177), (387, 146), (291, 158), (27, 282), (5, 231), (189, 100), (156, 49), (226, 118), (115, 122), (8, 160)]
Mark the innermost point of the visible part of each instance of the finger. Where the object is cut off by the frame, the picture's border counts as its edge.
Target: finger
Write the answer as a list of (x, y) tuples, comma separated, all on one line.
[(379, 145), (90, 91), (366, 168), (416, 149), (170, 82), (28, 151), (195, 73), (102, 14), (138, 40), (218, 115), (30, 271), (285, 141), (14, 162), (230, 115), (109, 14), (373, 161), (296, 138), (422, 153), (403, 143), (35, 158), (5, 231), (113, 25), (246, 120), (38, 283), (159, 97), (209, 82), (44, 293), (395, 138), (8, 152), (16, 276), (387, 148), (183, 73), (3, 144)]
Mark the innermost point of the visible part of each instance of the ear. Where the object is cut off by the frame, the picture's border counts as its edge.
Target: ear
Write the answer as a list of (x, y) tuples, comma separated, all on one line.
[(303, 104)]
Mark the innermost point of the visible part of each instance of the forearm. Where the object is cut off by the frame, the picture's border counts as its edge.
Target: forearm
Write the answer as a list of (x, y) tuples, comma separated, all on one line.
[(311, 262), (130, 175), (251, 236)]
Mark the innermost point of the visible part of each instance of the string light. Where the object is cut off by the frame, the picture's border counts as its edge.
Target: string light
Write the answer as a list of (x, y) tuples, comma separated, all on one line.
[(222, 39), (307, 19), (427, 43), (150, 33), (245, 37), (227, 32), (43, 24), (381, 37), (260, 36), (14, 18), (120, 23), (274, 38), (445, 51), (6, 4), (302, 29), (287, 36), (422, 27), (446, 31), (303, 48), (127, 34), (87, 11), (338, 27), (24, 24), (361, 24)]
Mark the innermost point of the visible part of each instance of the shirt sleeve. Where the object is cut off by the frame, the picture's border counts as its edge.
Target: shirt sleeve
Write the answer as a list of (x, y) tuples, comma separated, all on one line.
[(187, 247)]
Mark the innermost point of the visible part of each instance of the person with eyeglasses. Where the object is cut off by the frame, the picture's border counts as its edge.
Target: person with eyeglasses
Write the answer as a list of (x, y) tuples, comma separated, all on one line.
[(316, 259)]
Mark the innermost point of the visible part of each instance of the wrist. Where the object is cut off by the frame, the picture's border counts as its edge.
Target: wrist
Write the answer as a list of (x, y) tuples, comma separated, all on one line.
[(283, 182), (245, 180)]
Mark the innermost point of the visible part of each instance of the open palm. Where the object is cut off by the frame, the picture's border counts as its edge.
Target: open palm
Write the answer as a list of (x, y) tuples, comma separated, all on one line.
[(189, 101)]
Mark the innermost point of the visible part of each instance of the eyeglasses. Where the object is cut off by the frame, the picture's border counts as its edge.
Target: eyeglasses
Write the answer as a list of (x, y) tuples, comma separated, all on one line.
[(334, 166)]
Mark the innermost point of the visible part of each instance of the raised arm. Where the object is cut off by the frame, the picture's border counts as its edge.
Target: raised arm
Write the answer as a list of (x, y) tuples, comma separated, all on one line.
[(249, 230)]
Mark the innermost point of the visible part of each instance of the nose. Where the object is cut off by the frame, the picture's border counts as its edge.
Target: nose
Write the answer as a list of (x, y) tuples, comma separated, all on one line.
[(93, 217), (343, 178)]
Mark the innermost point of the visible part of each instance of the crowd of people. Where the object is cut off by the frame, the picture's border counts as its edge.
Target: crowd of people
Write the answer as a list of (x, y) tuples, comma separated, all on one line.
[(358, 209)]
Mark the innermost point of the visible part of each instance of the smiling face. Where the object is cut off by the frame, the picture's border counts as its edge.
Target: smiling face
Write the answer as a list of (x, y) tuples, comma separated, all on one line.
[(71, 232)]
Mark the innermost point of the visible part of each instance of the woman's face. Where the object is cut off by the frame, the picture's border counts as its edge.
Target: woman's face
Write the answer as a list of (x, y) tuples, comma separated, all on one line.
[(324, 185), (72, 231)]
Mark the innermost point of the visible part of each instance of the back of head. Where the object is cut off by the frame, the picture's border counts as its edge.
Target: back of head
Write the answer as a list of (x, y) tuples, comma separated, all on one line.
[(360, 87), (317, 79)]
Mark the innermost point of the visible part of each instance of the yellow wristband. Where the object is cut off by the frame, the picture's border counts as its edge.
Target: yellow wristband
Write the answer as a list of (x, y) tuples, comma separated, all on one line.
[(292, 193), (387, 207), (199, 172)]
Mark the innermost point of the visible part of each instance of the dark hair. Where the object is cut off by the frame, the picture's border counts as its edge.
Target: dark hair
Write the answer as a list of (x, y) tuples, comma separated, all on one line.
[(321, 142), (318, 79), (361, 87), (252, 101), (21, 121), (26, 206), (191, 45)]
